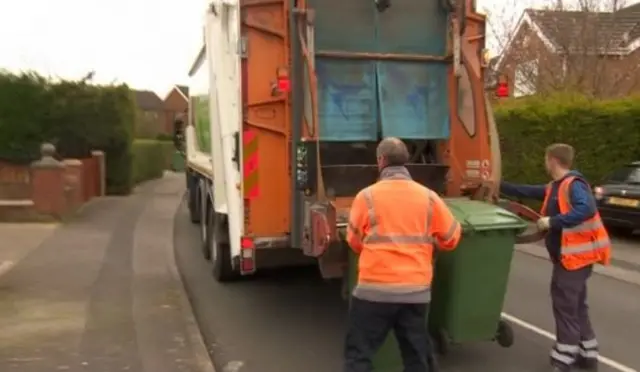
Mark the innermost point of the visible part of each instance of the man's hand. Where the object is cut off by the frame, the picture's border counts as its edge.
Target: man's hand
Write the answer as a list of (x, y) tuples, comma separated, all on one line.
[(543, 223)]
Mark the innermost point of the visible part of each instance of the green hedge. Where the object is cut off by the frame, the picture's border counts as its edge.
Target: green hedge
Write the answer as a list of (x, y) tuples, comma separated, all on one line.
[(150, 159), (605, 134), (75, 116)]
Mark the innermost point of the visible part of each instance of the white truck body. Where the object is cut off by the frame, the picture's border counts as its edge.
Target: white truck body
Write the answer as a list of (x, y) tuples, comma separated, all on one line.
[(216, 75)]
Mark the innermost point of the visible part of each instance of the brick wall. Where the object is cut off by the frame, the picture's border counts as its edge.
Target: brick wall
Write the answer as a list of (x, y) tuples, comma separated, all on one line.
[(15, 181), (49, 188)]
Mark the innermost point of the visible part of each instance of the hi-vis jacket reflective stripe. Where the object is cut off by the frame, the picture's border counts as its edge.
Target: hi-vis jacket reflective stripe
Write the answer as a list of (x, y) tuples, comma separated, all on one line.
[(582, 245), (393, 225)]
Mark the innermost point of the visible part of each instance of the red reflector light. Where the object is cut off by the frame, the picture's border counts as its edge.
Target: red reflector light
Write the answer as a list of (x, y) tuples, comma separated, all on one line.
[(284, 85), (247, 256), (247, 266)]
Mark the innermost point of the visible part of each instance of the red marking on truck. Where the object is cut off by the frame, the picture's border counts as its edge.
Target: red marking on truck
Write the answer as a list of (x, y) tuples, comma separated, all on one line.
[(250, 164)]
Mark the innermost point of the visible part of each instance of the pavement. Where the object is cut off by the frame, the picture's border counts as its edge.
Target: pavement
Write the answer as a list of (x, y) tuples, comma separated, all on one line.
[(101, 292), (291, 320), (18, 239)]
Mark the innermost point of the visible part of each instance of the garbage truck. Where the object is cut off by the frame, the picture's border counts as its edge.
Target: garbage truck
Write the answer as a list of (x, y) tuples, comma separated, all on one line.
[(288, 100)]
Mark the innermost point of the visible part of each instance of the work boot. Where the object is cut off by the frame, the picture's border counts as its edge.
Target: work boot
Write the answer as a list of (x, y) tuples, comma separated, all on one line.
[(587, 364)]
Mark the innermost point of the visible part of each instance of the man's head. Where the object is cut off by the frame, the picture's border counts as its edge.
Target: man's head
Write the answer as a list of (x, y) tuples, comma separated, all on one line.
[(391, 152), (558, 159)]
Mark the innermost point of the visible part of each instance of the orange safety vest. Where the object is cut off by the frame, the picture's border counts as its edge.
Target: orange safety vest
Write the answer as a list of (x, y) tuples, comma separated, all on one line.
[(394, 225), (582, 245)]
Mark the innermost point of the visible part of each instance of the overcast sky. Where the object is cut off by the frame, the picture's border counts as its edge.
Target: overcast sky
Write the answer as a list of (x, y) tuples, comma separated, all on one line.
[(148, 44)]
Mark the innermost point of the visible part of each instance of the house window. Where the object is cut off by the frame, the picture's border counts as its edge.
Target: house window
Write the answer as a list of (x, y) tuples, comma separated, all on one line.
[(526, 78)]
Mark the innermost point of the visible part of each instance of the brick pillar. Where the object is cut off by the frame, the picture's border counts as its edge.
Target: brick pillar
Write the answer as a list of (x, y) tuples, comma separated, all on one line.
[(102, 172), (73, 181), (47, 181)]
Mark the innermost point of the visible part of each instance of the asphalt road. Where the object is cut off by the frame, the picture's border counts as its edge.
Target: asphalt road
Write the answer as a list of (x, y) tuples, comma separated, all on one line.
[(291, 320)]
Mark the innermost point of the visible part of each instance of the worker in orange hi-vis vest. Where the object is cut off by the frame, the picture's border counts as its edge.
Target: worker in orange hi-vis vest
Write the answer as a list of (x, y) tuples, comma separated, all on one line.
[(394, 226), (576, 241)]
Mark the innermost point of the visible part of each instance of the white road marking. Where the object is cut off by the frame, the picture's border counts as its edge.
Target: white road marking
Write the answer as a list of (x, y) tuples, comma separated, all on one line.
[(604, 360), (5, 266), (233, 366)]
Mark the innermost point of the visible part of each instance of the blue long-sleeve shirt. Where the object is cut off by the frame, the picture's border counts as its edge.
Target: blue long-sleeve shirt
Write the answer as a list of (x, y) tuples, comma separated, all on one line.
[(583, 206)]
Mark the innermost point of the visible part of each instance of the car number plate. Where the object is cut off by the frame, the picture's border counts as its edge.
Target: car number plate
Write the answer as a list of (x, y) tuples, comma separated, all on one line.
[(624, 202)]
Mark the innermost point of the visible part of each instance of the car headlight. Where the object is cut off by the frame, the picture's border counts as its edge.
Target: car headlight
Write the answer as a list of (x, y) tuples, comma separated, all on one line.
[(598, 193)]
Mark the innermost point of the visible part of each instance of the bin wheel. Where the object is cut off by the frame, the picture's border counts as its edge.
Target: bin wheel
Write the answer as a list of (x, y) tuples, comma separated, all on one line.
[(504, 334), (442, 342)]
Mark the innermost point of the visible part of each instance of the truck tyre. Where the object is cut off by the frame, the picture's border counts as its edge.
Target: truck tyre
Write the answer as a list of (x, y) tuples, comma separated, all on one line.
[(220, 251), (205, 216), (193, 199)]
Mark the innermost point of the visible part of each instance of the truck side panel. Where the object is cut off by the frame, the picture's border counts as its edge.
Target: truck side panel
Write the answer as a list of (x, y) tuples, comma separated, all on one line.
[(267, 192), (222, 35)]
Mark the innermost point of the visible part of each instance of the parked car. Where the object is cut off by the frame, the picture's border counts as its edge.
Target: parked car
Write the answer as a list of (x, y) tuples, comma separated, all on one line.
[(618, 199)]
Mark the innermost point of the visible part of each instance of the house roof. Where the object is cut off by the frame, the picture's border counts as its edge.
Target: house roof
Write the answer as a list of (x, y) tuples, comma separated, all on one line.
[(575, 31), (183, 89), (148, 100), (614, 33)]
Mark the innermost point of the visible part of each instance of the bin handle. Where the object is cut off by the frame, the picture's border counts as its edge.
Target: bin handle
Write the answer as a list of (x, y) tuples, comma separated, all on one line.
[(528, 214)]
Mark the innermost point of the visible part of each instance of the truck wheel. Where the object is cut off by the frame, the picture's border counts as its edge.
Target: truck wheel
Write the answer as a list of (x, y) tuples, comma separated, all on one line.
[(504, 334), (205, 216), (193, 199), (219, 250)]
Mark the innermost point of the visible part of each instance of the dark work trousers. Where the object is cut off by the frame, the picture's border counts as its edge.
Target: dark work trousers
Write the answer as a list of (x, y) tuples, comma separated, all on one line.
[(369, 326), (575, 336)]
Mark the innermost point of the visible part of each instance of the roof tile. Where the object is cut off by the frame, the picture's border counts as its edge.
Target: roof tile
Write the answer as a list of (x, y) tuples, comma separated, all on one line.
[(576, 31)]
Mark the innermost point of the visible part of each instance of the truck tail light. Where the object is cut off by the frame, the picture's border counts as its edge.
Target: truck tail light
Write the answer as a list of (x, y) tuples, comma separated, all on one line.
[(247, 256), (284, 85), (502, 90)]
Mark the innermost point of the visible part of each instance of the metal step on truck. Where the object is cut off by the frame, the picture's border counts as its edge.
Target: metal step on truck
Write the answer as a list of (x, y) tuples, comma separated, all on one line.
[(288, 101)]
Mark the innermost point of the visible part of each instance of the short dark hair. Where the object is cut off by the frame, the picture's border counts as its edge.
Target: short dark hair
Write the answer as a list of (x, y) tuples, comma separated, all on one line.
[(393, 151), (562, 153)]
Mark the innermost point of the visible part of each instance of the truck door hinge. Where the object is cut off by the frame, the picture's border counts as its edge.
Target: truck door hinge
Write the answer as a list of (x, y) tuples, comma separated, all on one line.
[(243, 47)]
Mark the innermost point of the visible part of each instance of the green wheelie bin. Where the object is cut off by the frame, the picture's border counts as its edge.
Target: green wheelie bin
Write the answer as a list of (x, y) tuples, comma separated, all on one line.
[(470, 282)]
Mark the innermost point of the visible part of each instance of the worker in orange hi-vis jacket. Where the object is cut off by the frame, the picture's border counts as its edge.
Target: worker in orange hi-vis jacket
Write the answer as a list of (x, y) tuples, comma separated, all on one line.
[(576, 241), (394, 226)]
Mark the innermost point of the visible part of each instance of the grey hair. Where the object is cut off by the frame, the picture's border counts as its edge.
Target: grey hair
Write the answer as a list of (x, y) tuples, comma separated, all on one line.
[(393, 151)]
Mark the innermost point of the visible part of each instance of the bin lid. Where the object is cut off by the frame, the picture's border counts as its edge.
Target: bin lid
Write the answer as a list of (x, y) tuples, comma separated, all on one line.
[(476, 215)]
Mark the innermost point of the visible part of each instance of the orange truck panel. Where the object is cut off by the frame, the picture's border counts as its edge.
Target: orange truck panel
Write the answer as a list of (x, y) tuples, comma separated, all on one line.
[(267, 190)]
